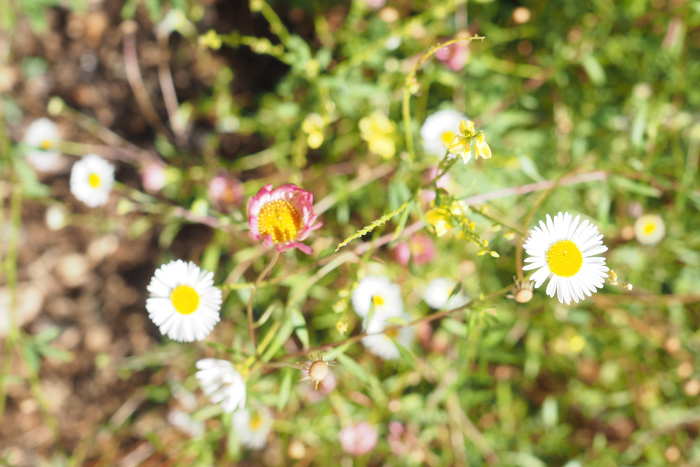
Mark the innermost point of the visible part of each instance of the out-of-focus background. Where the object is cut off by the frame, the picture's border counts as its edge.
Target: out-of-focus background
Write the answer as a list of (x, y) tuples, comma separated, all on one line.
[(199, 103)]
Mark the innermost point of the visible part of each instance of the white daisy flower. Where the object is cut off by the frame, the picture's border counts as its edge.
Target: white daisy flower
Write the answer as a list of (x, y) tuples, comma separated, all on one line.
[(252, 427), (184, 303), (221, 383), (91, 180), (43, 136), (381, 345), (649, 229), (439, 130), (437, 295), (566, 250), (379, 290)]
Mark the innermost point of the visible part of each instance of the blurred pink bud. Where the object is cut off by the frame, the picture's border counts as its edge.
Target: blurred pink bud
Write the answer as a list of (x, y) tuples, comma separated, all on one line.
[(358, 439), (153, 177), (401, 439), (455, 56), (420, 247), (225, 190), (428, 176), (326, 387)]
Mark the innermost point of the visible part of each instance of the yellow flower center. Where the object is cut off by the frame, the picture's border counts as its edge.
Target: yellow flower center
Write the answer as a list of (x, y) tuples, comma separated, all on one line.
[(255, 422), (564, 258), (46, 144), (94, 180), (447, 138), (279, 219), (185, 299), (649, 228), (378, 300)]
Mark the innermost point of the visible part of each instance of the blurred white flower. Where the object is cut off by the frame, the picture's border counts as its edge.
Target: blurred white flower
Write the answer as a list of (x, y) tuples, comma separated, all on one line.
[(379, 290), (649, 229), (252, 427), (91, 180), (222, 384), (43, 136), (380, 344), (55, 218), (437, 295), (185, 423), (439, 130)]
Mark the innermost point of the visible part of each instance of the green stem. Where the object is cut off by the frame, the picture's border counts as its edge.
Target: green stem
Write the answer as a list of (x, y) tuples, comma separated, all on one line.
[(251, 325)]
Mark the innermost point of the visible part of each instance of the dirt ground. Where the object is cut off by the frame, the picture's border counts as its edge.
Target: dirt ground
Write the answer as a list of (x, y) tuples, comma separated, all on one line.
[(88, 280)]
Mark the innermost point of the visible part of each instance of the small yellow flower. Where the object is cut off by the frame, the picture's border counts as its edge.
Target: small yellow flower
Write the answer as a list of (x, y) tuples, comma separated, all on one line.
[(440, 219), (378, 131), (211, 39), (482, 148), (313, 126), (342, 327), (461, 144)]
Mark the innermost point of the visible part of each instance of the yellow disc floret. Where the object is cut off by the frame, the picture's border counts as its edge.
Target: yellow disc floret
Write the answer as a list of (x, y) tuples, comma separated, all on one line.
[(94, 180), (46, 144), (564, 258), (255, 421), (279, 219), (649, 228), (185, 299), (378, 300)]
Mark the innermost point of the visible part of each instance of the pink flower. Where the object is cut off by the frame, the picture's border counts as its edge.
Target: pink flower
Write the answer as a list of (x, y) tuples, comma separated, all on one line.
[(358, 439), (225, 190), (153, 177), (455, 56), (420, 247), (282, 217), (402, 439)]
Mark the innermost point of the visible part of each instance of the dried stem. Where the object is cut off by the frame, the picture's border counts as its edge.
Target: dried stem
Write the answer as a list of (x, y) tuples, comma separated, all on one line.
[(133, 75)]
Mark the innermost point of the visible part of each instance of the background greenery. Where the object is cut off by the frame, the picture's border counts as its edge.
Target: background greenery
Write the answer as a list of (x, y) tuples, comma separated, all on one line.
[(579, 87)]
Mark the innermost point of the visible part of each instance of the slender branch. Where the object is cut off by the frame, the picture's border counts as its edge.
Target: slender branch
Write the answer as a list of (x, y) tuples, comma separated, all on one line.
[(133, 75), (167, 87), (392, 329), (251, 325)]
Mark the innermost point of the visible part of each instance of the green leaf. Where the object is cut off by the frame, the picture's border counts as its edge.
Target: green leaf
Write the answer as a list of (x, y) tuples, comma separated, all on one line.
[(351, 365), (300, 326), (594, 70), (405, 353), (211, 256), (636, 187), (281, 337), (285, 389)]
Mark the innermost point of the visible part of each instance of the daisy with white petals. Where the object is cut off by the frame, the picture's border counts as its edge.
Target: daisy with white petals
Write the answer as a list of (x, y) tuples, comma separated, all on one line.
[(91, 180), (649, 229), (184, 303), (252, 427), (381, 344), (42, 135), (222, 383), (381, 292), (566, 250), (439, 130)]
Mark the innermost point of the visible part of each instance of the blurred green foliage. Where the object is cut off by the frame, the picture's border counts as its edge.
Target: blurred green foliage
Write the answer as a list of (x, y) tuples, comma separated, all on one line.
[(576, 87)]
